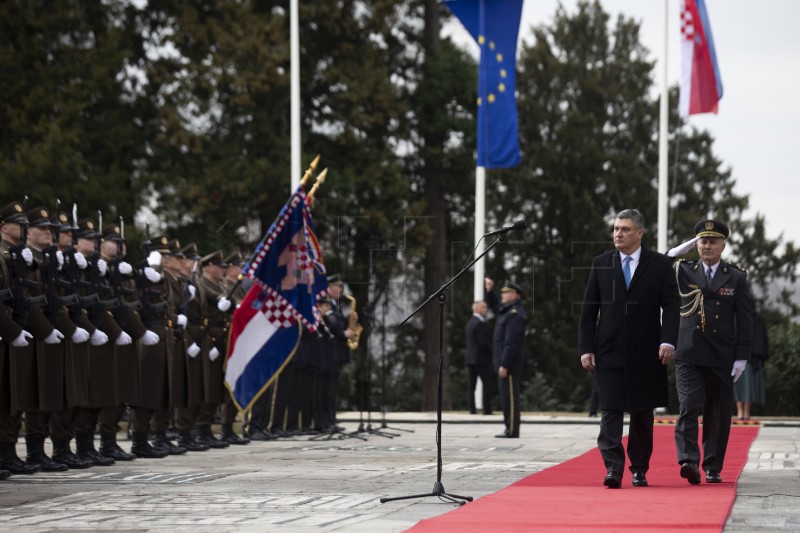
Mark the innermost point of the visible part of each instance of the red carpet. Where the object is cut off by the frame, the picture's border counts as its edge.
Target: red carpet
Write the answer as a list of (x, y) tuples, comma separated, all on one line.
[(570, 496)]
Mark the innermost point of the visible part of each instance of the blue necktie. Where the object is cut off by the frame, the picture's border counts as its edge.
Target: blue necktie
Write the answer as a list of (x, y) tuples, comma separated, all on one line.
[(626, 270), (709, 276)]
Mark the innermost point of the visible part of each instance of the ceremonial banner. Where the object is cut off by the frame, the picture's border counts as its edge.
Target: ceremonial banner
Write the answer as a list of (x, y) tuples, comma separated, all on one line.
[(701, 85), (494, 24), (289, 276)]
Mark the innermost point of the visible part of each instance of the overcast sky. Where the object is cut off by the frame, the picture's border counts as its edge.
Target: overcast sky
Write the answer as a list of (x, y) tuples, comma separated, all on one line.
[(757, 130)]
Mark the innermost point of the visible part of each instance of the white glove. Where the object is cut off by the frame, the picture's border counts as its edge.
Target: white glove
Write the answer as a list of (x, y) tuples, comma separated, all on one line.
[(27, 255), (151, 274), (102, 267), (60, 259), (22, 339), (213, 354), (223, 304), (182, 321), (192, 292), (80, 260), (54, 337), (738, 368), (125, 268), (80, 335), (150, 338), (683, 248), (98, 338), (154, 259), (193, 350), (124, 339)]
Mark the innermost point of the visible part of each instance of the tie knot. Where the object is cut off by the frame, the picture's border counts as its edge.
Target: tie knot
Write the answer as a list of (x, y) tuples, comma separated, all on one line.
[(627, 259)]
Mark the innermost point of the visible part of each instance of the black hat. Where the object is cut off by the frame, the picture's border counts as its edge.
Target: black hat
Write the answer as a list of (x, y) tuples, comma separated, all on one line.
[(324, 300), (190, 251), (511, 286), (13, 213), (160, 244), (335, 278), (175, 248), (711, 228), (111, 232), (87, 229), (39, 217), (214, 259), (61, 222), (235, 258)]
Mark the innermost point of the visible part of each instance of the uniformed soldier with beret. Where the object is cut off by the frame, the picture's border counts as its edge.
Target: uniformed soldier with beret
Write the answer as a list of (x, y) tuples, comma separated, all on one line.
[(713, 348), (16, 339), (507, 349)]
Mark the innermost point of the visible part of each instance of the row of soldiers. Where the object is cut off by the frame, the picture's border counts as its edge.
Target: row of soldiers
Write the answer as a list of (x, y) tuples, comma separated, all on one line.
[(83, 334)]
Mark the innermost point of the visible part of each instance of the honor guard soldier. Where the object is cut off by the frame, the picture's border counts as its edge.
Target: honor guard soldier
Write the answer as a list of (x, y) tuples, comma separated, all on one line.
[(507, 350), (17, 341), (714, 345)]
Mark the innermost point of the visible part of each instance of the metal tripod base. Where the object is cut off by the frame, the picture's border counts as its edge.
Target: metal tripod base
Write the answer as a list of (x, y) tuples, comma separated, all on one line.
[(438, 490), (329, 435)]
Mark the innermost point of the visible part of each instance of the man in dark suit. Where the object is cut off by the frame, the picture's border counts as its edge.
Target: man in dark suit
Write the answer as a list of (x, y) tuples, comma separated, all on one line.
[(628, 332), (479, 356), (507, 350), (713, 348)]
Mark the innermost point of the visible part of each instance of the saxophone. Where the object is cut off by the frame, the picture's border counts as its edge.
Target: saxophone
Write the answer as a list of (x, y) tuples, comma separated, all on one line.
[(352, 324)]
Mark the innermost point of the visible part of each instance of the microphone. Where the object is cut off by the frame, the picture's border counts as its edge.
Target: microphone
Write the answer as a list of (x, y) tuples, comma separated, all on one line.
[(519, 224)]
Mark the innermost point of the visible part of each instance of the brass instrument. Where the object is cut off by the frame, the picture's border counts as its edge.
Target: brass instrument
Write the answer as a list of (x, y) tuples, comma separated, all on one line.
[(352, 324)]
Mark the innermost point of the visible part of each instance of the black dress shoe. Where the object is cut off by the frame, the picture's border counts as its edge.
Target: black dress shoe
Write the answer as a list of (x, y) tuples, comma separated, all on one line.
[(712, 476), (506, 436), (613, 479), (639, 479), (691, 472)]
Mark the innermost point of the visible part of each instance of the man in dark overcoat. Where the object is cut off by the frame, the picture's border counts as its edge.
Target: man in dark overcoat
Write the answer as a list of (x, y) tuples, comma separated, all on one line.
[(628, 333), (478, 357)]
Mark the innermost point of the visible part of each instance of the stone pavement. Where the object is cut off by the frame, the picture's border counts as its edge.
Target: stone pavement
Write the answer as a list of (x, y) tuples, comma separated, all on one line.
[(301, 485)]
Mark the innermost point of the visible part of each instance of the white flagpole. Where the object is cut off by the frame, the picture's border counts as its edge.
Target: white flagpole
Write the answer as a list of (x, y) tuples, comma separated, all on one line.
[(294, 44), (480, 229), (662, 143)]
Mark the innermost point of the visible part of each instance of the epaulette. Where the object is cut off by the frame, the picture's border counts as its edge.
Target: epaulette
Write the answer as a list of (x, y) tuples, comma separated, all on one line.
[(737, 267)]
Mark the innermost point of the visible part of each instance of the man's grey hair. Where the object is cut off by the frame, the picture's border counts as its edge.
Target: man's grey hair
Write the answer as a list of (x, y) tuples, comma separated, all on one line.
[(633, 214)]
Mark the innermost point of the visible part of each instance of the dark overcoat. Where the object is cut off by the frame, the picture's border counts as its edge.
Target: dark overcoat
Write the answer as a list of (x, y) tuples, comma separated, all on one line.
[(479, 342), (625, 328)]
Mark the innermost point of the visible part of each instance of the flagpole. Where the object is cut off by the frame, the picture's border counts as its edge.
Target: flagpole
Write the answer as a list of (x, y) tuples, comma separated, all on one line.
[(663, 178), (294, 44), (480, 229)]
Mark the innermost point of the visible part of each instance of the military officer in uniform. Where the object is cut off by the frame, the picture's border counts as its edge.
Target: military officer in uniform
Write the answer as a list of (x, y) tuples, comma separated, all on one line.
[(507, 350), (713, 348)]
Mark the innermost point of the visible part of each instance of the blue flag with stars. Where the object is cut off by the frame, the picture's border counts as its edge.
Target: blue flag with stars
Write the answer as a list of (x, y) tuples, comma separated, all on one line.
[(494, 24)]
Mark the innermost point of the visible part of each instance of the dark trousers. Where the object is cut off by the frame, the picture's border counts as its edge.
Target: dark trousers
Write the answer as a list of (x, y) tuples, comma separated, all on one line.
[(640, 440), (62, 423), (37, 423), (9, 426), (485, 373), (186, 417), (509, 397), (708, 390), (285, 414), (261, 413), (230, 411)]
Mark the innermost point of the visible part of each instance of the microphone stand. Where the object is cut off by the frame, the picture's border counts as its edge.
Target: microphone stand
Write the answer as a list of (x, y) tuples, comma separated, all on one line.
[(438, 487), (384, 305)]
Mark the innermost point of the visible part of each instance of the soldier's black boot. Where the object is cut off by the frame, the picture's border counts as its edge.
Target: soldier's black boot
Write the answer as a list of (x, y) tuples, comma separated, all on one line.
[(9, 460), (163, 443), (109, 448), (84, 443), (229, 436), (63, 454), (186, 440), (36, 455), (4, 474), (206, 436), (141, 448)]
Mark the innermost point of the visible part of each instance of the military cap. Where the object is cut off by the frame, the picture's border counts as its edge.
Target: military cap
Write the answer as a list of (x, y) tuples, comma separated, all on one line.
[(61, 222), (214, 259), (39, 217), (711, 228), (175, 248), (87, 229), (160, 244), (511, 286), (324, 300), (235, 258), (335, 278), (190, 251), (13, 213), (111, 232)]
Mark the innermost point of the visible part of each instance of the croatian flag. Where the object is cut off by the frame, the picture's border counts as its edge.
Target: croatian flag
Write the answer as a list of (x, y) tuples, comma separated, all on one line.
[(289, 276), (701, 85)]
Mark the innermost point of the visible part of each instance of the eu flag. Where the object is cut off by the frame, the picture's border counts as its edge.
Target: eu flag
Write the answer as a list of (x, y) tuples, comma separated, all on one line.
[(494, 24)]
